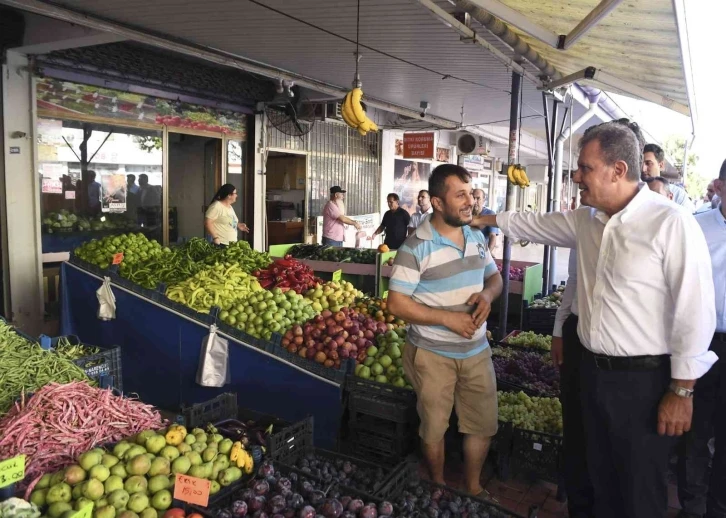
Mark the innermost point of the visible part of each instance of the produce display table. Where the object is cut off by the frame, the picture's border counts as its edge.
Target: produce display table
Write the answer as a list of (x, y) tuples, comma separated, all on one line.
[(160, 353)]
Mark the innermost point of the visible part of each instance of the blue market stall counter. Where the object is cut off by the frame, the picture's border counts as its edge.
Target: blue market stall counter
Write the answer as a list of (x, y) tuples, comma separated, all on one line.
[(160, 354)]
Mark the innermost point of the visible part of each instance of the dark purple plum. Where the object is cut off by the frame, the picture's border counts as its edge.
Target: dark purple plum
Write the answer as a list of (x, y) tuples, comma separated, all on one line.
[(307, 512), (239, 509), (284, 484), (355, 506), (332, 508), (276, 504), (260, 514), (347, 468), (261, 487), (368, 511), (289, 513), (432, 512), (385, 508), (296, 501), (345, 500), (224, 513), (348, 514), (266, 469), (316, 497), (436, 494), (256, 503)]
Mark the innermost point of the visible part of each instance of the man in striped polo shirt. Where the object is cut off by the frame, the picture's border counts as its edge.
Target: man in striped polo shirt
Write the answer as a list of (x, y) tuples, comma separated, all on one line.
[(443, 283)]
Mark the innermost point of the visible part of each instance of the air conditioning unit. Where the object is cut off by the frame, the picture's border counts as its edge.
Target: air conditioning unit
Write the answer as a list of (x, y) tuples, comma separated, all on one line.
[(333, 111), (470, 144)]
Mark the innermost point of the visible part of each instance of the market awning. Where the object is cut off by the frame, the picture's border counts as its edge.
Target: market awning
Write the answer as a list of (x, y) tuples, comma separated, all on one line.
[(634, 48)]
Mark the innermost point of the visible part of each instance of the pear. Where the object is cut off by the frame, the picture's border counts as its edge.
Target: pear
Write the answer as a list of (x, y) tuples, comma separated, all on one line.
[(159, 466), (56, 509), (59, 493), (57, 477), (216, 438), (77, 492), (119, 470), (190, 439), (101, 502), (170, 452), (158, 483), (113, 483), (194, 457), (44, 482), (161, 501), (107, 511), (209, 454), (225, 445), (37, 497), (81, 503), (181, 465), (149, 512), (90, 459), (92, 489), (74, 475), (184, 447), (155, 443), (141, 438), (214, 487), (118, 499), (201, 437), (199, 447), (109, 460), (136, 484), (128, 514), (230, 475), (100, 472), (138, 502), (138, 465), (134, 451), (121, 448)]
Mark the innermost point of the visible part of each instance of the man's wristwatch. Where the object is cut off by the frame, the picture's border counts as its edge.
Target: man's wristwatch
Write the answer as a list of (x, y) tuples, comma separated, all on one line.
[(680, 391)]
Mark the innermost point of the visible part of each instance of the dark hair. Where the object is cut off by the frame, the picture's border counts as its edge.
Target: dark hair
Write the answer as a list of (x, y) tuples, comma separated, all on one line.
[(660, 179), (425, 191), (91, 174), (131, 177), (144, 176), (617, 142), (393, 195), (437, 180), (634, 128), (722, 172), (223, 192), (656, 150)]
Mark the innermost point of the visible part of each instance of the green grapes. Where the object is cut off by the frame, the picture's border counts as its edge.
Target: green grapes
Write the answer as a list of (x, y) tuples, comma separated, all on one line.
[(540, 414), (531, 339)]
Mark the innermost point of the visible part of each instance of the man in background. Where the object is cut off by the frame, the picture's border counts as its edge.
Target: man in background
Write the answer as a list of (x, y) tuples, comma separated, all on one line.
[(700, 494), (424, 209), (149, 202), (394, 224), (653, 165), (490, 233), (660, 186), (95, 193), (334, 218)]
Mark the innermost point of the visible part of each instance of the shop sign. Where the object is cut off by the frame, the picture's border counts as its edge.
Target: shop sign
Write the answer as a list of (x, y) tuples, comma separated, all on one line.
[(51, 186), (418, 145)]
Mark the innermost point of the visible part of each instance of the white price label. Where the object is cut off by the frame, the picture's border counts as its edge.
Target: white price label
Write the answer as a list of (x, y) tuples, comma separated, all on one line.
[(537, 446)]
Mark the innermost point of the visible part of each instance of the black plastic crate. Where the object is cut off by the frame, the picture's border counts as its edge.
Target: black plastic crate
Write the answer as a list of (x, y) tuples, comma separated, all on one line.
[(382, 407), (408, 475), (356, 385), (332, 374), (539, 320), (536, 453), (382, 447), (284, 438), (103, 367)]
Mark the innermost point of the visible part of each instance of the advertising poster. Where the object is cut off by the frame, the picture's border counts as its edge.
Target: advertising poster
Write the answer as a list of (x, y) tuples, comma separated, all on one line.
[(114, 192), (369, 224), (408, 179)]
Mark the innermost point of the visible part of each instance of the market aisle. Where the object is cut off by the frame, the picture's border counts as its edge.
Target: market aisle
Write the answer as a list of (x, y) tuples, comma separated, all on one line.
[(518, 494)]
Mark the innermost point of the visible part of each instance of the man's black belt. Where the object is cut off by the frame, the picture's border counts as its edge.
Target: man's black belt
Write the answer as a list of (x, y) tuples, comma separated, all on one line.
[(719, 337), (625, 363)]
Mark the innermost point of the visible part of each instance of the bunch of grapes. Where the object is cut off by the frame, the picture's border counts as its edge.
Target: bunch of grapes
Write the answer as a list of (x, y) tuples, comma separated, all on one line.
[(529, 370), (540, 414), (531, 339)]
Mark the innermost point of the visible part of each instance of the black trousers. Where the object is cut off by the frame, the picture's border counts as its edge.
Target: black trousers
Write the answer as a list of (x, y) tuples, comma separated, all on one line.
[(580, 493), (626, 458), (699, 492)]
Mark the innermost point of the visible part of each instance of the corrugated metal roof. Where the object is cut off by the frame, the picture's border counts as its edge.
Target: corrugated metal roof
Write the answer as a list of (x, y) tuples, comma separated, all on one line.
[(637, 42), (399, 27)]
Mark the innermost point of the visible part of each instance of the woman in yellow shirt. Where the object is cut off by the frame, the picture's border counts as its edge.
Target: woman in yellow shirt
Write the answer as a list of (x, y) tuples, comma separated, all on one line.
[(220, 221)]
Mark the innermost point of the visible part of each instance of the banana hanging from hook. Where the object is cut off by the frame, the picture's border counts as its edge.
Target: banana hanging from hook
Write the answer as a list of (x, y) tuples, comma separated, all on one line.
[(354, 115), (517, 175)]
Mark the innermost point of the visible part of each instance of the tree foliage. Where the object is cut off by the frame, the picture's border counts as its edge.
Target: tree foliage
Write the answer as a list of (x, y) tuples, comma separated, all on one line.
[(695, 182)]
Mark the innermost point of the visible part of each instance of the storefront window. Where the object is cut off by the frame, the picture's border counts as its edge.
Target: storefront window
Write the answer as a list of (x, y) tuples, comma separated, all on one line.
[(97, 179), (500, 194)]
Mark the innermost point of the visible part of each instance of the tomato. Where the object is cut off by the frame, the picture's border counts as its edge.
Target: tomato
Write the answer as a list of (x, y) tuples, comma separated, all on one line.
[(174, 513)]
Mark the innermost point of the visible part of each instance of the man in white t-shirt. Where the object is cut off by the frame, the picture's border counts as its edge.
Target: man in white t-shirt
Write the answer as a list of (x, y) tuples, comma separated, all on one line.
[(653, 165), (424, 209)]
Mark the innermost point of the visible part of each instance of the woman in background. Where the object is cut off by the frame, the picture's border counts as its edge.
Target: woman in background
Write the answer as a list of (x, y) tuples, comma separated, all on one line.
[(220, 221)]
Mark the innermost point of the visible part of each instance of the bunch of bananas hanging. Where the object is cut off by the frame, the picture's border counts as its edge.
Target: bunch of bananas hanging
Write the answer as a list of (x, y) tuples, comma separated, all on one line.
[(354, 115), (517, 175)]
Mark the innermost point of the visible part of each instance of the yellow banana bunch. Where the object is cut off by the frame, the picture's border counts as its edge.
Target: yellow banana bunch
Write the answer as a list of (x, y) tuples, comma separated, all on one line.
[(353, 113), (241, 458), (517, 175)]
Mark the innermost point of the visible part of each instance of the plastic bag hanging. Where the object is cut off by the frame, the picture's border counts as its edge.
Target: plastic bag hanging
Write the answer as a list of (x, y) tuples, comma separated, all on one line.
[(106, 301), (213, 370)]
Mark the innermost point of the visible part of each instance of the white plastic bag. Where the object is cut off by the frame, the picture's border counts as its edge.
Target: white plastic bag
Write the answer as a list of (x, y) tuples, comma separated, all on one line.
[(106, 301), (213, 370)]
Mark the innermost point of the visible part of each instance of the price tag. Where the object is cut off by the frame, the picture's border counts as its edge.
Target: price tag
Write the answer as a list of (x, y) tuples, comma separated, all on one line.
[(192, 490), (385, 294), (117, 258), (12, 470), (337, 274), (86, 512), (537, 446)]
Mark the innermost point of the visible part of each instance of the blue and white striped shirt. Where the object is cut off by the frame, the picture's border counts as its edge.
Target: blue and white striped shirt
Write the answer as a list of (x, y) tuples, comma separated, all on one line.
[(437, 273)]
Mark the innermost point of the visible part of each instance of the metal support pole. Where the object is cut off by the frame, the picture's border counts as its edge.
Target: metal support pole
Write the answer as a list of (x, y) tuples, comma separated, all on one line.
[(551, 133), (515, 109)]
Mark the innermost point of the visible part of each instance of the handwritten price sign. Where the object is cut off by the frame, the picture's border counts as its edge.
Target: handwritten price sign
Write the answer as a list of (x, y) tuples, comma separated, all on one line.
[(117, 258), (337, 274), (192, 490), (12, 470), (85, 512)]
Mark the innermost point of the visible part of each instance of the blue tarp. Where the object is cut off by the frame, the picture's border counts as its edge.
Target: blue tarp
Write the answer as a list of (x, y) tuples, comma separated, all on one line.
[(160, 354)]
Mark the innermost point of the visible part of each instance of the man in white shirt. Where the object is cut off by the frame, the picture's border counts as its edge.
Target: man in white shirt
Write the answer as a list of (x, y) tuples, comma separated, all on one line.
[(646, 318), (424, 209), (653, 165), (698, 495)]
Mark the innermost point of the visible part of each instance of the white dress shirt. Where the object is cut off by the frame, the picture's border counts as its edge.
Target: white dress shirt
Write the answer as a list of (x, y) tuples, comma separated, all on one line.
[(418, 217), (680, 196), (644, 279), (568, 304), (713, 224)]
